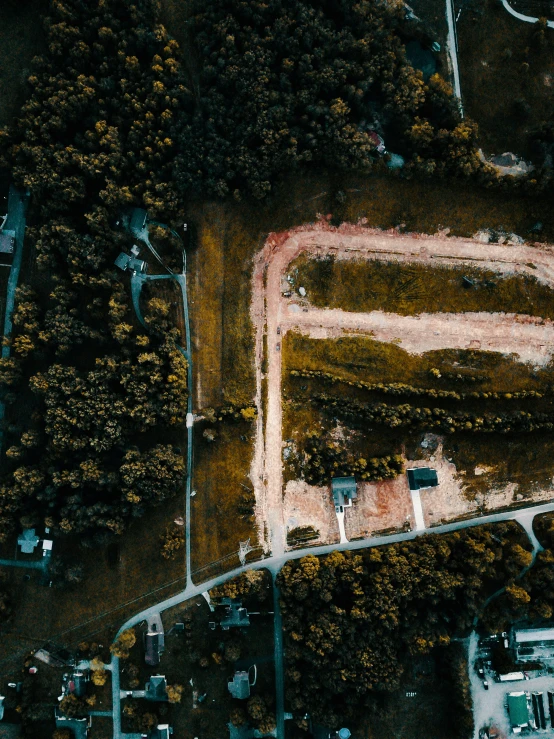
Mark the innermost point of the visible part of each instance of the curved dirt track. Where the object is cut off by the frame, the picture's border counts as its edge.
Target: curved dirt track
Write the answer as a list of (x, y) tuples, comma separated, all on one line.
[(532, 339)]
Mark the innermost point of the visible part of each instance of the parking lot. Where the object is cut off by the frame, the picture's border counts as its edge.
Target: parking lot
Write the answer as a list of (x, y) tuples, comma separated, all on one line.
[(489, 706)]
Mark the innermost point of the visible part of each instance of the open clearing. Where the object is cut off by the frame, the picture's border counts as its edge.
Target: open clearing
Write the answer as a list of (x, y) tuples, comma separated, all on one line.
[(529, 338)]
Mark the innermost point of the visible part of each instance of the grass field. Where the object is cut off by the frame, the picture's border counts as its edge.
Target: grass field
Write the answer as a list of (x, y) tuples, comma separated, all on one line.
[(501, 459), (408, 289), (506, 77)]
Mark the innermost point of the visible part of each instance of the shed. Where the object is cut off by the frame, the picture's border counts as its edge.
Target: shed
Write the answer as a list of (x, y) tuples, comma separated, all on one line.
[(156, 688), (420, 478), (138, 221), (7, 242), (152, 648), (239, 686), (517, 709), (343, 489), (28, 541)]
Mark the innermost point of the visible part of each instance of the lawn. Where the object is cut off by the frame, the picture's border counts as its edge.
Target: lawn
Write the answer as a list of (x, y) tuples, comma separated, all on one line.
[(506, 75), (361, 286)]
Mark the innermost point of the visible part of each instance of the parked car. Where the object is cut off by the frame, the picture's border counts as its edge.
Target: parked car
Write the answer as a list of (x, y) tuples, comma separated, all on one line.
[(486, 684), (277, 347), (278, 330)]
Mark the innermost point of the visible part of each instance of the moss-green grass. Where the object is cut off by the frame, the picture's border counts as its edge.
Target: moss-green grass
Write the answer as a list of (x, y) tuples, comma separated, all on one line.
[(361, 286)]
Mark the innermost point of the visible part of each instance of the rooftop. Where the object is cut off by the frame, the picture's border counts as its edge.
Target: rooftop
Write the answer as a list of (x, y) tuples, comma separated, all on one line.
[(239, 686), (156, 688), (422, 477), (28, 541), (534, 635), (517, 709)]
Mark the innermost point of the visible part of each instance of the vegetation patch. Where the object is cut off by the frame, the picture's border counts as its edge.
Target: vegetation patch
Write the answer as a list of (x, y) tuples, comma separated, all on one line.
[(361, 286), (353, 620)]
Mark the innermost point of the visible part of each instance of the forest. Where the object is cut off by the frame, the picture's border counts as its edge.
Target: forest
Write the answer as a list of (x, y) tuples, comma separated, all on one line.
[(91, 441), (288, 83), (352, 621)]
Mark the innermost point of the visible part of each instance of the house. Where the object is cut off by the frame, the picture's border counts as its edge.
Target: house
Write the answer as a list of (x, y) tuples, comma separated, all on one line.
[(28, 541), (517, 710), (235, 616), (78, 684), (156, 689), (132, 264), (377, 142), (420, 478), (344, 492), (239, 686), (7, 242), (79, 726), (152, 648), (137, 221)]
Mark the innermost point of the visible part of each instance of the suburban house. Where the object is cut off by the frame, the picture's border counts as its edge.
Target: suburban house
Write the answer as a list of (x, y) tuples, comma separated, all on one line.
[(235, 615), (130, 263), (240, 685), (344, 492), (77, 684), (517, 710), (156, 689), (420, 478), (28, 541)]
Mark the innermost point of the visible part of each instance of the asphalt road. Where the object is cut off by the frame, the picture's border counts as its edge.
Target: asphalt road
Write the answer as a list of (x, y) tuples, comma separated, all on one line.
[(524, 516)]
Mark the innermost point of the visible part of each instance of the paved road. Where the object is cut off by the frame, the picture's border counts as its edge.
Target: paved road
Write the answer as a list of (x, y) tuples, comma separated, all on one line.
[(452, 43), (523, 516), (521, 17), (17, 206)]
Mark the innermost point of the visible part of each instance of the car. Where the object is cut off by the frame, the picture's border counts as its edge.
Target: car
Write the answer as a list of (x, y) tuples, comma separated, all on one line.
[(277, 347), (486, 684), (278, 330)]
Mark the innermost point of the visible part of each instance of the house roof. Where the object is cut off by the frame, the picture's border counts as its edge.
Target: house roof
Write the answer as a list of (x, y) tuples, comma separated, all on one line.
[(7, 241), (534, 635), (156, 688), (236, 614), (28, 541), (422, 477), (517, 709), (122, 260), (239, 687), (152, 648), (343, 486)]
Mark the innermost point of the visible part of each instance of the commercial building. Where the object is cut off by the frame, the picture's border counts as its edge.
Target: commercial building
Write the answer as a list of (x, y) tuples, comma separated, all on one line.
[(518, 711)]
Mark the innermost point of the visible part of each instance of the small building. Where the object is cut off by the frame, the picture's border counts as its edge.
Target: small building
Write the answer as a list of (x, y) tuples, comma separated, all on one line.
[(235, 615), (152, 649), (28, 541), (517, 710), (239, 686), (420, 478), (156, 689), (162, 731), (137, 221), (377, 142), (344, 492), (126, 262), (78, 684), (7, 241)]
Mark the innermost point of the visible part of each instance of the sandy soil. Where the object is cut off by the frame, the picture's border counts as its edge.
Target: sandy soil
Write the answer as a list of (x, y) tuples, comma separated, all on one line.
[(272, 315), (532, 339), (308, 505)]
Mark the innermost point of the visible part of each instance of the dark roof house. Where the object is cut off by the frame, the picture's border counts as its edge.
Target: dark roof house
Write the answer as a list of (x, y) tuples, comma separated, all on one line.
[(78, 684), (420, 478), (343, 489), (152, 648), (156, 688), (137, 221), (236, 615)]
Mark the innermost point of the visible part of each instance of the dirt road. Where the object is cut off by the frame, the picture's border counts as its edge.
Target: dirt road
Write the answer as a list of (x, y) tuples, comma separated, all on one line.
[(272, 316)]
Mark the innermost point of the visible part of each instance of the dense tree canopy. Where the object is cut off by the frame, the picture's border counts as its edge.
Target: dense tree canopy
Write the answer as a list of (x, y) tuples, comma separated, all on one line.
[(103, 399), (351, 620), (286, 82)]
